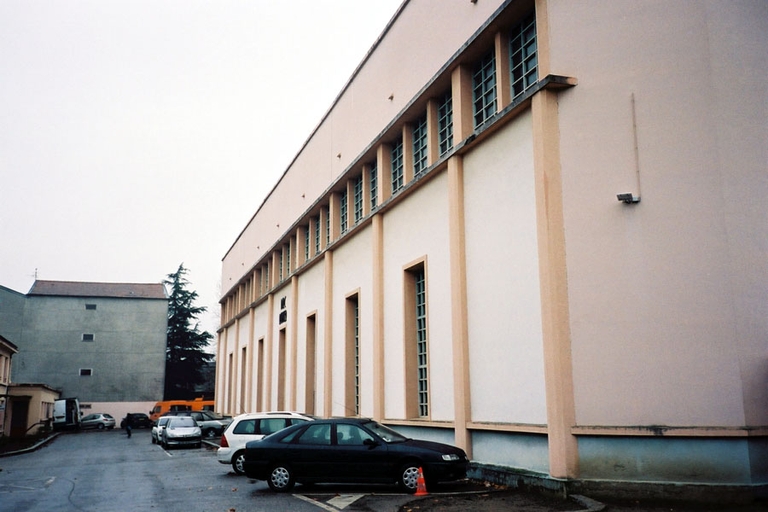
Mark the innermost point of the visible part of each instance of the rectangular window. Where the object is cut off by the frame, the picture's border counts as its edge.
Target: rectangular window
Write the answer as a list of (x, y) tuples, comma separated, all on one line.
[(327, 226), (523, 56), (90, 306), (484, 88), (415, 337), (86, 372), (309, 390), (358, 206), (397, 167), (343, 212), (306, 243), (280, 266), (287, 260), (87, 337), (352, 366), (374, 186), (420, 146), (445, 123), (317, 234), (421, 341)]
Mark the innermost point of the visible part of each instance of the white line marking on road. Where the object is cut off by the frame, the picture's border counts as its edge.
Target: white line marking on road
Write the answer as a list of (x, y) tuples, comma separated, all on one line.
[(316, 503), (342, 501)]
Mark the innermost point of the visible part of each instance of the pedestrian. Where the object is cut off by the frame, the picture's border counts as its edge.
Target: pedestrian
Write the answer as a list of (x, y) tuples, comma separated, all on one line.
[(128, 425)]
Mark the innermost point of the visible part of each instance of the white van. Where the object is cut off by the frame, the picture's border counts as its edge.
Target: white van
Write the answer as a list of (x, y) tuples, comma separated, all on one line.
[(66, 414)]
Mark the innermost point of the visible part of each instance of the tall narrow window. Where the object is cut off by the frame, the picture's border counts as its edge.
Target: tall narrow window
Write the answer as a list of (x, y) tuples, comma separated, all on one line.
[(484, 88), (358, 205), (287, 253), (421, 341), (281, 367), (257, 382), (397, 167), (343, 212), (352, 364), (420, 146), (327, 225), (306, 243), (415, 337), (374, 186), (445, 123), (309, 393), (317, 234), (523, 56), (280, 265)]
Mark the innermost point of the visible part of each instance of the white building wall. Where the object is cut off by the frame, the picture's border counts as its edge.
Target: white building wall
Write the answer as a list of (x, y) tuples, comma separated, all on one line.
[(503, 292), (311, 300), (418, 228)]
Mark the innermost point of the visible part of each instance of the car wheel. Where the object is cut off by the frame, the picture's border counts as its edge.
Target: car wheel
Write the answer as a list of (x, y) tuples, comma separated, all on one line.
[(237, 462), (408, 477), (101, 426), (281, 478)]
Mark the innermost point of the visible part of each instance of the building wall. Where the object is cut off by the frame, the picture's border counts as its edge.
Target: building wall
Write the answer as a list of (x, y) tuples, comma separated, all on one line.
[(126, 356), (568, 333), (11, 314)]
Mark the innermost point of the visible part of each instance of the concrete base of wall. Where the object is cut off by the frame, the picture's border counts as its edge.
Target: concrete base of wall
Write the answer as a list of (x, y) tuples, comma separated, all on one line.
[(614, 490)]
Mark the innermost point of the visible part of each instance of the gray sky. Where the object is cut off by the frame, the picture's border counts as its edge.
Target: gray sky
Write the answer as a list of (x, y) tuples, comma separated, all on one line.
[(137, 135)]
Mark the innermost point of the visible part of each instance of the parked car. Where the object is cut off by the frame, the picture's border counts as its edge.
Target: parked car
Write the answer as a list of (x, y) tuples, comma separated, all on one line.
[(180, 431), (158, 427), (252, 427), (210, 423), (138, 420), (350, 450), (98, 420)]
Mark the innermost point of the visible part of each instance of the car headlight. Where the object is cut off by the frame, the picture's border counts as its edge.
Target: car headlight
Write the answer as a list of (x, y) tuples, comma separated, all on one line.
[(450, 457)]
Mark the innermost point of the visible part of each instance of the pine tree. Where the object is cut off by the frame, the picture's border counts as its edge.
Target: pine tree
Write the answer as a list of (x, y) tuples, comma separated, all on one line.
[(185, 354)]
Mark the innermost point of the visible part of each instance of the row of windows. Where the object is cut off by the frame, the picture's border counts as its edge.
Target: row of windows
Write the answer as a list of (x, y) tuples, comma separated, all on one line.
[(361, 194)]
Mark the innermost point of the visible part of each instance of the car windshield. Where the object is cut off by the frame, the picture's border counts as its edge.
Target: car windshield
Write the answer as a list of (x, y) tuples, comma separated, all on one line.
[(182, 421), (385, 433)]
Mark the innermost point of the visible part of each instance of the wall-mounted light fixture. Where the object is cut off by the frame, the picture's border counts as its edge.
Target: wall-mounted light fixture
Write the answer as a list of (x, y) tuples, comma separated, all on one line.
[(628, 198)]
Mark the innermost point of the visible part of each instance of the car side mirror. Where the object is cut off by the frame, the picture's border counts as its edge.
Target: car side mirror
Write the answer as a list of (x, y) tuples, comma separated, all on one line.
[(371, 443)]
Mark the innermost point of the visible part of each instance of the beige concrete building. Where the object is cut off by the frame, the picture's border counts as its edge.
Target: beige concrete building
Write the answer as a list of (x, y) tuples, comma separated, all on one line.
[(534, 229)]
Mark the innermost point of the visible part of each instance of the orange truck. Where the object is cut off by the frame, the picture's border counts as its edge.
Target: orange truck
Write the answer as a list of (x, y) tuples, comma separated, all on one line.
[(162, 407)]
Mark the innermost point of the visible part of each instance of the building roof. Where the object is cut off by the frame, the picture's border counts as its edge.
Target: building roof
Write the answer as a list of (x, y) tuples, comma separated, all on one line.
[(112, 290), (13, 348)]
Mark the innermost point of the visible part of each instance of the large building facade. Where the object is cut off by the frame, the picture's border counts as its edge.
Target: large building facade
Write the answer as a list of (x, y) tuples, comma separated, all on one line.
[(103, 343), (533, 229)]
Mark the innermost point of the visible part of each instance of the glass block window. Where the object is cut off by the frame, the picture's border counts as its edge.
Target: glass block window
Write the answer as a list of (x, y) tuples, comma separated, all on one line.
[(523, 56), (327, 226), (420, 146), (421, 342), (287, 260), (280, 266), (484, 89), (445, 123), (317, 234), (358, 206), (306, 244), (397, 167), (374, 186), (343, 210), (356, 335)]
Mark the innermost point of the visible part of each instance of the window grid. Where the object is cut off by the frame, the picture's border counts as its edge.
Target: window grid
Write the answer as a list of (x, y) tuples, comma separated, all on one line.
[(327, 226), (280, 266), (287, 260), (523, 56), (397, 167), (445, 123), (343, 212), (421, 342), (420, 146), (357, 357), (306, 244), (374, 186), (484, 89), (317, 234), (358, 199)]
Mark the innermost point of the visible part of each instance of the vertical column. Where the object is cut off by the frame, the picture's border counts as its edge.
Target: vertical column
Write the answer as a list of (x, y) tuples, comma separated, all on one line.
[(433, 144), (384, 164), (503, 78), (459, 323), (293, 334), (268, 349), (407, 153), (377, 248), (251, 357), (463, 117), (328, 336)]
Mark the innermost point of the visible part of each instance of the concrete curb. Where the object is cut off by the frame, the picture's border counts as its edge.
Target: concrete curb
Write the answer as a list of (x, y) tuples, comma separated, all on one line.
[(33, 447)]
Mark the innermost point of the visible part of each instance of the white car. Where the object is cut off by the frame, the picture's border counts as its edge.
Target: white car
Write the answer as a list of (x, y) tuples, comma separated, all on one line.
[(180, 431), (158, 427), (252, 427)]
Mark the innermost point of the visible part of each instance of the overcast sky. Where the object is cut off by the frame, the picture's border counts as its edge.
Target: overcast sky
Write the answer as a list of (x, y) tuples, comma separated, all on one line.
[(139, 135)]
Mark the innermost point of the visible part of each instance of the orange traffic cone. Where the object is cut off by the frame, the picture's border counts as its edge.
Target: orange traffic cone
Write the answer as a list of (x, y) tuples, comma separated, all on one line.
[(421, 485)]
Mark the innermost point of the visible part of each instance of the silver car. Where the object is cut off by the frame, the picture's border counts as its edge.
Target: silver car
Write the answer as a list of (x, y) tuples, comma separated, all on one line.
[(98, 420), (181, 431)]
